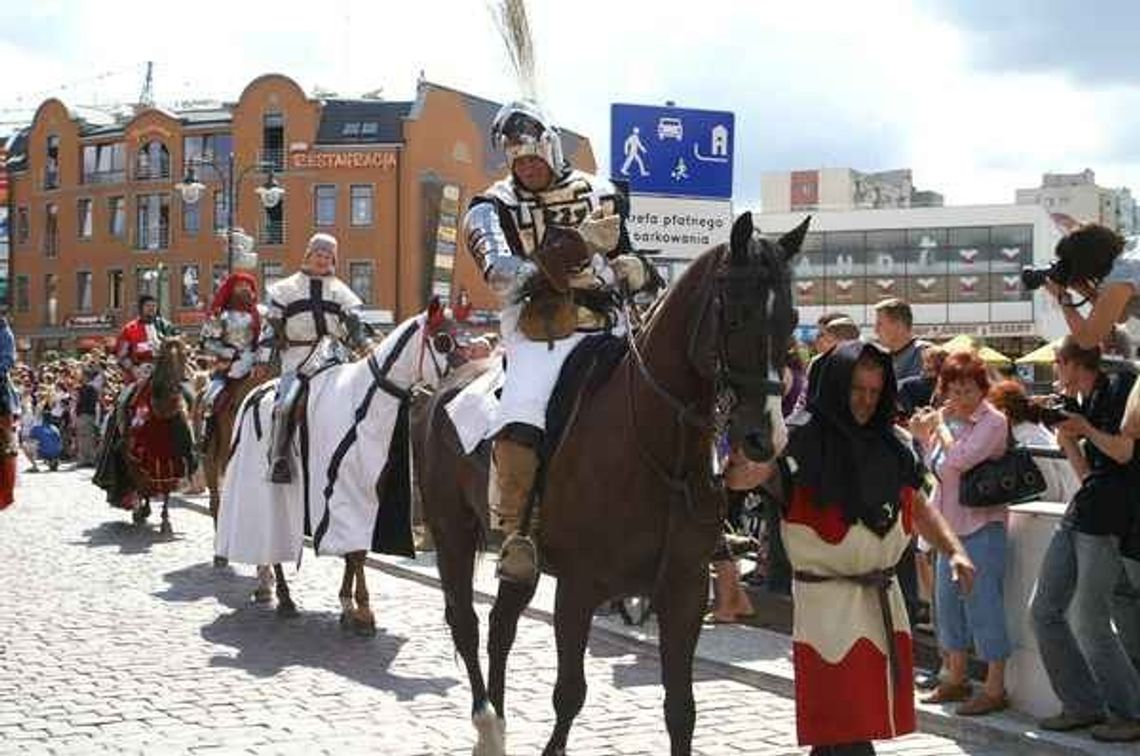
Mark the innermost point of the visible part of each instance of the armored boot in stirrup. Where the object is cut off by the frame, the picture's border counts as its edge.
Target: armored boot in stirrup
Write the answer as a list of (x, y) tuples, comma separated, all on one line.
[(516, 465)]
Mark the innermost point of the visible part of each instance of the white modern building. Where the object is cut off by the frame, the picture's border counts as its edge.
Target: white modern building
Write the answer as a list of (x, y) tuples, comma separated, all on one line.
[(959, 267)]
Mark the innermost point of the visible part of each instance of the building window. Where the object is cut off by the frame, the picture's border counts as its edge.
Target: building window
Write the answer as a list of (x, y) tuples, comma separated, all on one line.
[(191, 293), (361, 204), (51, 230), (83, 293), (271, 273), (51, 163), (191, 218), (209, 148), (83, 211), (114, 290), (23, 225), (117, 217), (360, 280), (324, 205), (152, 161), (152, 222), (104, 163), (217, 275), (23, 293), (51, 299), (221, 211), (273, 140), (273, 224)]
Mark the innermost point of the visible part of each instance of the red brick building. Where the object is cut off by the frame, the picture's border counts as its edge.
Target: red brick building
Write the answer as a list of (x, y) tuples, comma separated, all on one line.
[(97, 218)]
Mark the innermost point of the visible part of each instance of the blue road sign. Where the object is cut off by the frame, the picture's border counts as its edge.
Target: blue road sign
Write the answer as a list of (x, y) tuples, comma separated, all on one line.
[(673, 151)]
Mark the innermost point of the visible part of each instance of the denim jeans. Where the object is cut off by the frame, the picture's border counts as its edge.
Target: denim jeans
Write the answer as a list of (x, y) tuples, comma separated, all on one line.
[(1085, 660), (1126, 609), (978, 618)]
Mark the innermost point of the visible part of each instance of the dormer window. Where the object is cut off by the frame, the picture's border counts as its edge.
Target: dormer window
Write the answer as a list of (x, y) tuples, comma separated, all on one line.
[(152, 162), (51, 163)]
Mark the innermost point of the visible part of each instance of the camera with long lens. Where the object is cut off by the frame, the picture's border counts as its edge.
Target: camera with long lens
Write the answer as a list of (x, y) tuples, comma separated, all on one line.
[(1034, 278)]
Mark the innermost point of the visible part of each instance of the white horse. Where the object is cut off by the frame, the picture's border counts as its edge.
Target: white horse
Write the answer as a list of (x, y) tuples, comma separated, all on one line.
[(351, 488)]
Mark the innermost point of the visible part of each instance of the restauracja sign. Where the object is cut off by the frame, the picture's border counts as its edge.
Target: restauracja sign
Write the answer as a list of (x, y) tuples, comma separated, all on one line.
[(311, 159)]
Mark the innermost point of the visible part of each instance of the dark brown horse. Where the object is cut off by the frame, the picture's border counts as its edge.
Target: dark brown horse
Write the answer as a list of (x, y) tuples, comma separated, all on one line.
[(630, 505), (154, 426)]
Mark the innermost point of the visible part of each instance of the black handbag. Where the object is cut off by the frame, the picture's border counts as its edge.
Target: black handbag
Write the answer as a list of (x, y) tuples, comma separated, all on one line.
[(1010, 479)]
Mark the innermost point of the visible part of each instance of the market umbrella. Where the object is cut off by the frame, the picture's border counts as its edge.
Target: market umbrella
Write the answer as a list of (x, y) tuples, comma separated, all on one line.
[(991, 356), (1042, 355), (966, 343)]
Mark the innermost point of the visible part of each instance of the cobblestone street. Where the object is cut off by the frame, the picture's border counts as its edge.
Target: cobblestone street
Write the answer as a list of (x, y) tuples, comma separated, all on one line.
[(115, 639)]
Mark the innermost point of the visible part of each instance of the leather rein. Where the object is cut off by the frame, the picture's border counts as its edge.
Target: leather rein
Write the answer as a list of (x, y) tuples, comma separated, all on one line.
[(725, 380)]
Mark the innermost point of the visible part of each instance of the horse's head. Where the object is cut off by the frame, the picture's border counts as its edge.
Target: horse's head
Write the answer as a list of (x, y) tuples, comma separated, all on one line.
[(756, 319), (169, 374), (440, 344)]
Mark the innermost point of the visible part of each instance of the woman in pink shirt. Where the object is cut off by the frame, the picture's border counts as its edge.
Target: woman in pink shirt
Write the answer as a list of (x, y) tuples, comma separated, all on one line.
[(967, 431)]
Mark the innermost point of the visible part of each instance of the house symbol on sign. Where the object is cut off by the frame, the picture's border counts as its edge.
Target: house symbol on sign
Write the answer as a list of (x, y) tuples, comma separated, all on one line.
[(718, 146)]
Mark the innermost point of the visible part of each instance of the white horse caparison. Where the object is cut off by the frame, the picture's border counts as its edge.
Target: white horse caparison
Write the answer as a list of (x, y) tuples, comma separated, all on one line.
[(338, 456)]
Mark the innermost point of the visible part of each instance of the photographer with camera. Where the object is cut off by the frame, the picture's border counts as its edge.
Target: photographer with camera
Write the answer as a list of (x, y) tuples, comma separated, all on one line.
[(1085, 660), (1091, 261)]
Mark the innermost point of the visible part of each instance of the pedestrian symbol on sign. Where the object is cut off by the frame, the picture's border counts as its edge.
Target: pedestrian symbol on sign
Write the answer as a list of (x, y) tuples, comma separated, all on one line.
[(634, 149)]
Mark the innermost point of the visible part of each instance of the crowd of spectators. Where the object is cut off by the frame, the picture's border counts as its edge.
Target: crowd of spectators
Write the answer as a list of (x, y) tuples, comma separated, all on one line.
[(960, 412)]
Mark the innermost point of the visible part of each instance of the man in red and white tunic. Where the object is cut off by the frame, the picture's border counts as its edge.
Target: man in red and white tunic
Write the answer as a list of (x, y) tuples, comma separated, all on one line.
[(139, 339), (853, 499)]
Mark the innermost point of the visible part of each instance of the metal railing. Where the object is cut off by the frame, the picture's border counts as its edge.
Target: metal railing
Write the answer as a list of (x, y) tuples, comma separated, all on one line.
[(152, 238), (105, 177), (271, 233), (275, 158)]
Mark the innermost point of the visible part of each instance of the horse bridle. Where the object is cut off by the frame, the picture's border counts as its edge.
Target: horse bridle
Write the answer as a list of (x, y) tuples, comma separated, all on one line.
[(726, 379), (442, 343)]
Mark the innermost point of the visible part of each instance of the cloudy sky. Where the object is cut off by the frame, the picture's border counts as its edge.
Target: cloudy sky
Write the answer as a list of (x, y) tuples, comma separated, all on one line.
[(977, 96)]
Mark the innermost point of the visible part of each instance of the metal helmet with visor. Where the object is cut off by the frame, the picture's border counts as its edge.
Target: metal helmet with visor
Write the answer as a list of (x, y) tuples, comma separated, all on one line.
[(521, 128)]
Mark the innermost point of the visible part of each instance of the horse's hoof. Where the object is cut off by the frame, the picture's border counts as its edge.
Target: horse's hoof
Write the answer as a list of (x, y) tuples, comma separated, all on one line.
[(492, 730), (287, 610), (221, 561), (263, 595), (364, 628), (166, 529)]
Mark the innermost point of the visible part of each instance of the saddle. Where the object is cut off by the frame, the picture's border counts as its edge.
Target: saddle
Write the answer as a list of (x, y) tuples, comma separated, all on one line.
[(159, 449), (584, 372)]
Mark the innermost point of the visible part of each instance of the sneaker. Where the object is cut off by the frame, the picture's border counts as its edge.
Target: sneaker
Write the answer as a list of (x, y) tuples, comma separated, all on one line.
[(1066, 721), (1117, 731)]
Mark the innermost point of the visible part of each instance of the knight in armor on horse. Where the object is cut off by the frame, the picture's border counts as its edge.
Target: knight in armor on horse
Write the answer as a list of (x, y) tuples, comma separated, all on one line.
[(303, 308), (233, 336), (139, 339), (551, 243)]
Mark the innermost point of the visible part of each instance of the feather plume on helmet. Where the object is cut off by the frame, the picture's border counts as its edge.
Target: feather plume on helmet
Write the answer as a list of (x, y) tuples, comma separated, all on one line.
[(522, 127)]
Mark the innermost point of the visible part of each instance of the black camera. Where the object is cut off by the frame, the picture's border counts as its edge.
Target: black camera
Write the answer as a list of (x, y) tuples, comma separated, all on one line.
[(1055, 409), (1034, 278)]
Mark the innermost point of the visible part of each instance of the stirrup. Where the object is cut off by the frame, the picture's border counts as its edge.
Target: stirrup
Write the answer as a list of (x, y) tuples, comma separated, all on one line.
[(518, 560), (279, 472)]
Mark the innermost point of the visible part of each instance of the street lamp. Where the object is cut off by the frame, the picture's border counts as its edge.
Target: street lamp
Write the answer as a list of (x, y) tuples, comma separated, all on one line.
[(157, 277), (191, 189)]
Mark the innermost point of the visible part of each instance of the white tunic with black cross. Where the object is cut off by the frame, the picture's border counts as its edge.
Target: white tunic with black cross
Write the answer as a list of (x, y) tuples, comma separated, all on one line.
[(310, 307)]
